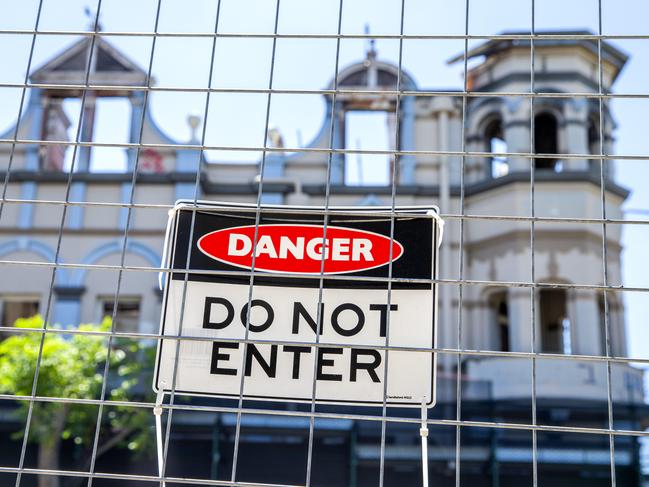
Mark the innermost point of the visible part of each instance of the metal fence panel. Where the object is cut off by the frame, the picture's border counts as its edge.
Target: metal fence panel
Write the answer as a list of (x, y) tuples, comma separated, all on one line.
[(459, 284)]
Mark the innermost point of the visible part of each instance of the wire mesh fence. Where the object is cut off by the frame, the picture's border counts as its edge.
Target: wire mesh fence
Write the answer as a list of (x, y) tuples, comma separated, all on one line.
[(535, 381)]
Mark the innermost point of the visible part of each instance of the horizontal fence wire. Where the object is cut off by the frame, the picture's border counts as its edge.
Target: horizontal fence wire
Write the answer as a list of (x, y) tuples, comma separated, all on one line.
[(340, 91), (316, 150), (450, 351), (444, 216), (327, 415), (497, 37), (461, 215), (212, 272)]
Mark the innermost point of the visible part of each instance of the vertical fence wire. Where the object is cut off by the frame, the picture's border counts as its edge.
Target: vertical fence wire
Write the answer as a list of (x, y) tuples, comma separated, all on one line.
[(602, 182), (460, 311), (48, 306), (183, 302), (120, 272), (327, 198), (393, 202), (262, 167), (533, 293), (23, 95)]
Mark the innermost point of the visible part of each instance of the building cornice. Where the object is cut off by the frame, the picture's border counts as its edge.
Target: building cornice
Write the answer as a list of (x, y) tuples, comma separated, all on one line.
[(98, 178), (470, 189), (318, 189), (524, 77), (69, 292)]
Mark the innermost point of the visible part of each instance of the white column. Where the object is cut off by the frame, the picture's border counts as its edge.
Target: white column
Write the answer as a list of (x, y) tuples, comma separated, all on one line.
[(517, 138), (483, 322), (574, 134), (520, 333), (576, 140), (586, 333), (337, 160), (445, 255), (476, 169), (609, 164), (618, 329), (407, 141)]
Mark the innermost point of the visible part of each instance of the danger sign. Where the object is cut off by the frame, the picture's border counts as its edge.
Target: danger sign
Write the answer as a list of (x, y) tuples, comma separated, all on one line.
[(321, 308), (299, 248)]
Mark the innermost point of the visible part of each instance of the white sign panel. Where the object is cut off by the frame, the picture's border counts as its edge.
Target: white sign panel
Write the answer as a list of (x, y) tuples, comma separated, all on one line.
[(283, 356)]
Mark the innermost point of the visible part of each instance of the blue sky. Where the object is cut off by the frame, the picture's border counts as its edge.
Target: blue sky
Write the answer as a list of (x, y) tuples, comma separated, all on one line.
[(309, 64)]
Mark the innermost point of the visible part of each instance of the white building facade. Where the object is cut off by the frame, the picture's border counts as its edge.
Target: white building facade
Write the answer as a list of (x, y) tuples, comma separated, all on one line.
[(567, 321)]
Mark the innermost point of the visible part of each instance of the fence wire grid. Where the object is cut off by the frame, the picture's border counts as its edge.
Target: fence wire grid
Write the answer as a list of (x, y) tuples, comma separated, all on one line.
[(460, 215)]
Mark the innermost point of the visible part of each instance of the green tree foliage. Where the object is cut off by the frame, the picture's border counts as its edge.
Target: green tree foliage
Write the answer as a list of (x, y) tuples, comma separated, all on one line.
[(72, 366)]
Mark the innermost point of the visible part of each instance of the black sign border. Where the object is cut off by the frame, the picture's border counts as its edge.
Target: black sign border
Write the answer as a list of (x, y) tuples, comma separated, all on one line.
[(283, 399)]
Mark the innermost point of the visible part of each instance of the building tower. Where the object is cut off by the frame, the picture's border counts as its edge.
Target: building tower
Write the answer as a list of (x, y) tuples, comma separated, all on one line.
[(564, 186)]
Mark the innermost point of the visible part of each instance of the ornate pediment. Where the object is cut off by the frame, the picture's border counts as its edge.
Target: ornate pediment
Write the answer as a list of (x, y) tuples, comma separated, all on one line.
[(108, 66)]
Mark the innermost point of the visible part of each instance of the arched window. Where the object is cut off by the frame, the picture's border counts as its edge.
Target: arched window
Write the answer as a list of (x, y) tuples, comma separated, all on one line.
[(499, 309), (495, 142), (554, 322), (546, 140)]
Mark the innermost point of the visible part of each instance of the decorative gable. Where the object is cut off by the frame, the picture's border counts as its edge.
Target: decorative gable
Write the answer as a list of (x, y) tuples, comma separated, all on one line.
[(109, 66)]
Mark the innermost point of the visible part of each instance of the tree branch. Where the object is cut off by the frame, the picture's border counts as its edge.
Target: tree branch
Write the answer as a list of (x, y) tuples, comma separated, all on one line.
[(105, 447), (112, 442)]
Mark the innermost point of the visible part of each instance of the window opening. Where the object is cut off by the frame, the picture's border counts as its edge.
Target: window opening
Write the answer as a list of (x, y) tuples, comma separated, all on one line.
[(111, 125), (500, 317), (498, 165), (127, 318), (555, 326), (368, 130), (13, 308), (106, 120), (56, 126), (546, 141), (566, 337)]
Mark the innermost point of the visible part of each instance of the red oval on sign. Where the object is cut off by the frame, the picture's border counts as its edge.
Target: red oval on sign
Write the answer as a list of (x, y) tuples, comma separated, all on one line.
[(298, 248)]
